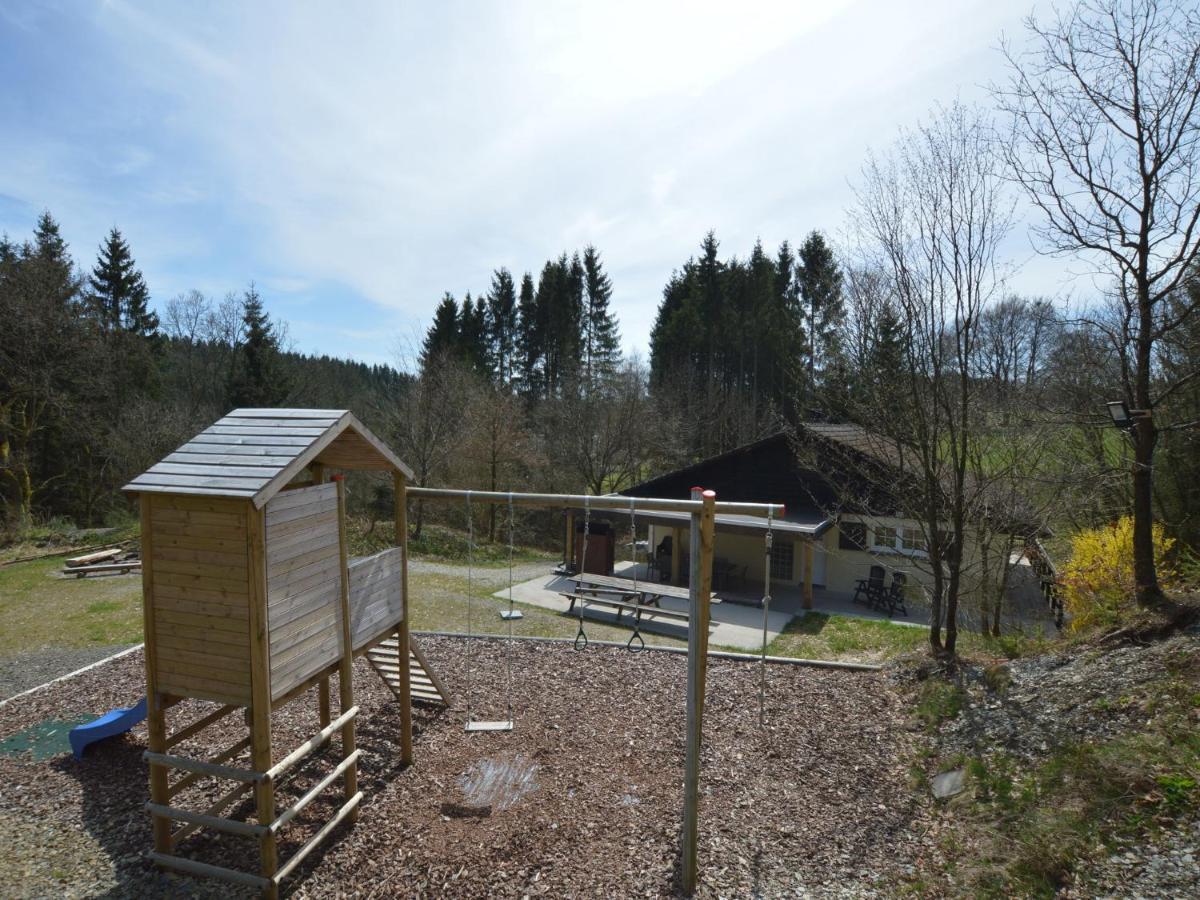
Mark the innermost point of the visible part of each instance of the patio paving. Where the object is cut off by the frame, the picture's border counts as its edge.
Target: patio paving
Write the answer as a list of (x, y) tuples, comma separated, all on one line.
[(734, 624)]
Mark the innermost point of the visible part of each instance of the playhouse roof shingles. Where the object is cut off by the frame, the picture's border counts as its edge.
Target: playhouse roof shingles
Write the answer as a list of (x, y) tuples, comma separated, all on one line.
[(252, 453)]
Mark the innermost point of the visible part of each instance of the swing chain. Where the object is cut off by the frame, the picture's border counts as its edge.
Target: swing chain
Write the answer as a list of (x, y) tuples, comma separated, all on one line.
[(470, 573), (637, 618), (762, 664), (581, 640), (508, 649)]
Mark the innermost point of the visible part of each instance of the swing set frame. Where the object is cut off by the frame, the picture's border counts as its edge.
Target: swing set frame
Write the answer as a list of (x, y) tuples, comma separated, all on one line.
[(703, 508)]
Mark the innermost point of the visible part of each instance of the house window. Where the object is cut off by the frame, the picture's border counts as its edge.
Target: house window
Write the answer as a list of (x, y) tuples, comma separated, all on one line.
[(852, 536), (885, 537), (783, 558), (911, 538)]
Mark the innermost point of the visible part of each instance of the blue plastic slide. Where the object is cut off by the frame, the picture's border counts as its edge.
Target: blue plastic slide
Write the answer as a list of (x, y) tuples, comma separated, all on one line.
[(117, 721)]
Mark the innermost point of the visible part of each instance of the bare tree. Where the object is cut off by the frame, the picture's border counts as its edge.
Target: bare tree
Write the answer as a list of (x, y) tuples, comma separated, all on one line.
[(425, 420), (931, 214), (497, 448), (600, 436), (1105, 111)]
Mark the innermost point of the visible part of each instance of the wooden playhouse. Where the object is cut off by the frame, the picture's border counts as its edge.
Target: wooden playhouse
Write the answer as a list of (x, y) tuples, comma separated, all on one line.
[(251, 601)]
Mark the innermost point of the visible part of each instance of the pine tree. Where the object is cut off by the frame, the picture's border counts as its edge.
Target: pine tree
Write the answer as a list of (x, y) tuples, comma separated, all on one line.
[(820, 282), (442, 340), (118, 297), (472, 334), (258, 379), (531, 338), (502, 331), (601, 339)]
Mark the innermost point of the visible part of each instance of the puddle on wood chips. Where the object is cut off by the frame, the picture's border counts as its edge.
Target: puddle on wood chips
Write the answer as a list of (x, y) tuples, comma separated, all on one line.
[(499, 783)]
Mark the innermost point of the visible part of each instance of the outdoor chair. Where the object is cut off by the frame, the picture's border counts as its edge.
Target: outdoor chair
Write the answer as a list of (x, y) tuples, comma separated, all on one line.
[(870, 590), (894, 599)]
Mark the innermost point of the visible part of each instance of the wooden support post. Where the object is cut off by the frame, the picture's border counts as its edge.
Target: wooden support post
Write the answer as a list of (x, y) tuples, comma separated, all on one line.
[(569, 552), (156, 716), (346, 666), (319, 476), (260, 691), (701, 583), (808, 582), (676, 554), (402, 633)]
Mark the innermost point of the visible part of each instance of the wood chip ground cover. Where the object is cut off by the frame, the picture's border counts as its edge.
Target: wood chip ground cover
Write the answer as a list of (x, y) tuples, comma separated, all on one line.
[(583, 799)]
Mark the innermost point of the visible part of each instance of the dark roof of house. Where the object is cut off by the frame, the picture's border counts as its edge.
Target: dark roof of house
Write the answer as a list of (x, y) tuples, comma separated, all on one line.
[(818, 471), (768, 470)]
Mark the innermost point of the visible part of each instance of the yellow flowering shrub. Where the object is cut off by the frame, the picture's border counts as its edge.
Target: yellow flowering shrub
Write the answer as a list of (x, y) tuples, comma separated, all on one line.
[(1097, 581)]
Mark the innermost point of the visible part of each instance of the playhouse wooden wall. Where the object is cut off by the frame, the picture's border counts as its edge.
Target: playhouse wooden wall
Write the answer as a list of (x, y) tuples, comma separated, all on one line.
[(304, 583), (197, 591)]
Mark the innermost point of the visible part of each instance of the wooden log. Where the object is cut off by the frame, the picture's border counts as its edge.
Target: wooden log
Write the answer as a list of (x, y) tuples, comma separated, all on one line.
[(216, 808), (403, 638), (348, 810), (260, 692), (232, 826), (90, 558), (701, 583), (224, 756), (192, 867), (346, 668), (291, 812), (230, 773), (156, 719), (199, 725), (311, 744)]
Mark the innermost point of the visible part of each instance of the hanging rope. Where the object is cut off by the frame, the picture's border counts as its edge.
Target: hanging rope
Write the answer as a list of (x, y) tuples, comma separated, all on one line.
[(766, 605), (581, 640), (470, 573), (509, 648), (637, 617)]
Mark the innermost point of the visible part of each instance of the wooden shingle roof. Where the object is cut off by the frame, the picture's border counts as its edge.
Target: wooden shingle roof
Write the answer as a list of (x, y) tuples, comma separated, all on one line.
[(254, 453)]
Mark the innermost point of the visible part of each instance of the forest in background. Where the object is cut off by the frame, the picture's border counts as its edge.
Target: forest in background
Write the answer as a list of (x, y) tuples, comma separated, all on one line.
[(992, 404)]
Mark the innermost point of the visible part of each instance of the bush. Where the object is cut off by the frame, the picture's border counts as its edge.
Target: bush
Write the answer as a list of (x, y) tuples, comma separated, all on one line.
[(1098, 584)]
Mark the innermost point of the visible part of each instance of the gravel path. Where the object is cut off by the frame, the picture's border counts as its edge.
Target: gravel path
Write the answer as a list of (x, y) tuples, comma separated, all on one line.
[(22, 671), (581, 800)]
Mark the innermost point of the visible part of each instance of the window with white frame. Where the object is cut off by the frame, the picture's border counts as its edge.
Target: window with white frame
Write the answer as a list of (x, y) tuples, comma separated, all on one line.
[(885, 537), (907, 539), (912, 538), (783, 560)]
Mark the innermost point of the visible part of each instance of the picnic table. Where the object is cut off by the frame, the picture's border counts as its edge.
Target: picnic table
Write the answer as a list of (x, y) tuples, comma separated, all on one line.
[(621, 595)]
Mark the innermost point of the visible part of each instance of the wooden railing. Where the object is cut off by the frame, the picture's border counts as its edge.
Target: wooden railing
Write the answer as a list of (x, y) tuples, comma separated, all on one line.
[(1051, 585)]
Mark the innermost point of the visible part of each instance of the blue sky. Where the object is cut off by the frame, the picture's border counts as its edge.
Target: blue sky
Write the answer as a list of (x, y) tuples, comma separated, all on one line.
[(357, 160)]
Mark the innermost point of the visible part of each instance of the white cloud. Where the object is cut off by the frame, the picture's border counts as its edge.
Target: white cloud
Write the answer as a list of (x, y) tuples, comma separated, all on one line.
[(404, 150)]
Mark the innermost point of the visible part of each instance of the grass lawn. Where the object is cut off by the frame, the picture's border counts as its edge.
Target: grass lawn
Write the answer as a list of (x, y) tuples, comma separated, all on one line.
[(38, 608)]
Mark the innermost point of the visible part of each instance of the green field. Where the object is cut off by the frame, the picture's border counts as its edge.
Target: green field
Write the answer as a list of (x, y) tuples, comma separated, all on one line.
[(40, 608)]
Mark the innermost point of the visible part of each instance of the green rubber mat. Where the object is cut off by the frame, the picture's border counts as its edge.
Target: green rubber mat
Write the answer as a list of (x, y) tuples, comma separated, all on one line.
[(45, 739)]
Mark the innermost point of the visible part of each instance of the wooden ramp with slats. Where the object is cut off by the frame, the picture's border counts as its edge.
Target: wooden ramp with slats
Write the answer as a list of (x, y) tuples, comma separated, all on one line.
[(424, 684)]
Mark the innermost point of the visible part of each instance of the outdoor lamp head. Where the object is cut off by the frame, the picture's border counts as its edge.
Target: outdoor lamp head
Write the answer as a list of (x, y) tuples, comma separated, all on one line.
[(1119, 413)]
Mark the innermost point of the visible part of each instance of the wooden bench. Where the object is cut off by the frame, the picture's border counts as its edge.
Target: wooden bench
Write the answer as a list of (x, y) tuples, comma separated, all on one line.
[(651, 591), (132, 565)]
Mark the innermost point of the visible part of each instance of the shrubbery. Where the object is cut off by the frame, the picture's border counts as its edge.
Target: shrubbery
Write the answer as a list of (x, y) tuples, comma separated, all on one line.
[(1098, 583)]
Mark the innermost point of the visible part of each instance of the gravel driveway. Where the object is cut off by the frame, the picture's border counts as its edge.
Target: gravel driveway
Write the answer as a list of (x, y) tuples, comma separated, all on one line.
[(22, 671)]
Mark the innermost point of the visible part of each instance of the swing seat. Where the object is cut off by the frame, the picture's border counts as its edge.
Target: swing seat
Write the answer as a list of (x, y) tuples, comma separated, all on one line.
[(489, 726)]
